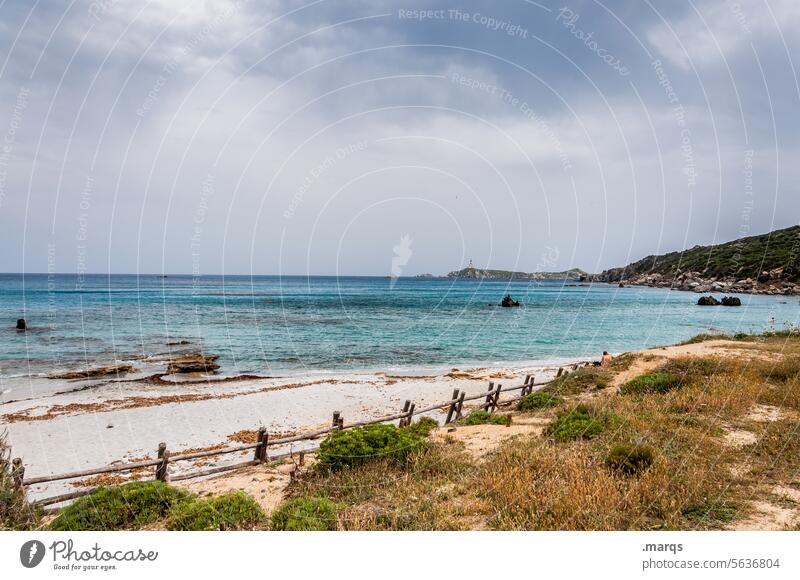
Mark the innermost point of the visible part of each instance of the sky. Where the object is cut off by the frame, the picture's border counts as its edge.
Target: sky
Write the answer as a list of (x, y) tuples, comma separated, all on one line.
[(364, 137)]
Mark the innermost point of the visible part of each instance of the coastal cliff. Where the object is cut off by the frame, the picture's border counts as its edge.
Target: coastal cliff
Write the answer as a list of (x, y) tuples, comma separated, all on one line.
[(764, 264)]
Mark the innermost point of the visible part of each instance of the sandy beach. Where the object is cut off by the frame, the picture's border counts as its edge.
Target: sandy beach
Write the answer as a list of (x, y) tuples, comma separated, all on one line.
[(88, 423)]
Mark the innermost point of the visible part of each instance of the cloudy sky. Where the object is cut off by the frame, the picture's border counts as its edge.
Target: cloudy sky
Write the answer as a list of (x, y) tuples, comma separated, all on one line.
[(329, 137)]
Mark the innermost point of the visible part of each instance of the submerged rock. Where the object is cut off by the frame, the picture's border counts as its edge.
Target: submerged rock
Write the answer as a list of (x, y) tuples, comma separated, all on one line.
[(508, 301), (93, 373), (21, 324), (708, 301), (731, 301), (193, 363)]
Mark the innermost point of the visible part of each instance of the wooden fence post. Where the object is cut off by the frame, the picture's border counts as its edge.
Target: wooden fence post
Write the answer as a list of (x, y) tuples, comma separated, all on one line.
[(406, 405), (488, 402), (451, 411), (161, 468), (336, 416), (302, 458), (17, 473), (261, 448), (560, 372), (340, 424), (460, 404), (496, 398), (410, 416)]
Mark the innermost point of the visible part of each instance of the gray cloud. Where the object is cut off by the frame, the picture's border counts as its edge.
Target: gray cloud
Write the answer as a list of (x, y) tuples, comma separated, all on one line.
[(302, 137)]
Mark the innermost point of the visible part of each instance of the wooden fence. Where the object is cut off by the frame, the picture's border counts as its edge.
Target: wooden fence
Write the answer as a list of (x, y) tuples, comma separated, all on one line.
[(260, 449)]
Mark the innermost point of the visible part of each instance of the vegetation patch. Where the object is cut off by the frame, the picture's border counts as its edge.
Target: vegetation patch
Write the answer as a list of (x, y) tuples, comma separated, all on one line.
[(15, 511), (230, 511), (305, 514), (629, 459), (786, 370), (582, 422), (121, 507), (580, 380), (483, 417), (423, 426), (364, 444), (655, 382), (711, 513), (539, 400)]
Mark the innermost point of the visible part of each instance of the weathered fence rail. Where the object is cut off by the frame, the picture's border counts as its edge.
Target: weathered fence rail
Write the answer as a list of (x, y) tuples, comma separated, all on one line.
[(454, 408)]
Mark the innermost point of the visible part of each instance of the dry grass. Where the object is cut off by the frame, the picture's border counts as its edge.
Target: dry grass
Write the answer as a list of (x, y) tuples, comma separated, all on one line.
[(430, 492)]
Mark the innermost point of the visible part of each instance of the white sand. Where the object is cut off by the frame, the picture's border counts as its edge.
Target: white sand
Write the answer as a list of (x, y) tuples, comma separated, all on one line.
[(78, 439)]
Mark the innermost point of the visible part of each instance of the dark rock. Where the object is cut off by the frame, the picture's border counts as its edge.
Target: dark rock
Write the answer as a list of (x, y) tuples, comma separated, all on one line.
[(621, 285), (731, 301), (763, 277), (21, 325), (508, 302), (708, 301)]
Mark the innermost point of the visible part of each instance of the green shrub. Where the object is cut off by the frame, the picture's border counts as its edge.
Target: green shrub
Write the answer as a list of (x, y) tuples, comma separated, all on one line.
[(230, 511), (484, 417), (305, 514), (630, 459), (362, 444), (423, 426), (538, 400), (128, 506), (579, 381), (656, 382), (692, 368), (582, 422)]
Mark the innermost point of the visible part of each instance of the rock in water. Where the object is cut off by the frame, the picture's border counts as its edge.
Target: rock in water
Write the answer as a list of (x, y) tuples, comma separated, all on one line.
[(731, 301), (708, 301), (508, 301), (21, 325), (193, 363), (91, 373)]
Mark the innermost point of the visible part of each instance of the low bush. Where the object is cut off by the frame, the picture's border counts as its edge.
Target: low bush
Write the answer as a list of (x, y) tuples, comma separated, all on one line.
[(305, 514), (785, 371), (230, 511), (655, 382), (538, 400), (630, 459), (363, 444), (121, 507), (483, 417), (582, 422), (423, 426), (579, 381)]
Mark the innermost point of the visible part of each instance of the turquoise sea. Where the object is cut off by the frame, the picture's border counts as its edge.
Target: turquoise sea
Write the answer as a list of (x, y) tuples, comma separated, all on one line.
[(277, 325)]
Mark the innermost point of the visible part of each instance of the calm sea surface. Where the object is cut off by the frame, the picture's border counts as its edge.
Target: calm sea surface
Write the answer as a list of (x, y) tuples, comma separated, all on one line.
[(270, 324)]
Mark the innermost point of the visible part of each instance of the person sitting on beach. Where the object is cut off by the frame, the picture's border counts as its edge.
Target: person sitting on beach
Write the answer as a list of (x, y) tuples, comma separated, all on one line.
[(606, 358)]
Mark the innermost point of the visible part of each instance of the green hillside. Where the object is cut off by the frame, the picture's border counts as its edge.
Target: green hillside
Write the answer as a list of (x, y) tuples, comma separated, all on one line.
[(742, 258)]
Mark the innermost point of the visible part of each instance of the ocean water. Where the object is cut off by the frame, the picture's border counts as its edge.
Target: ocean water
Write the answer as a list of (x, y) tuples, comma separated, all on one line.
[(282, 325)]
